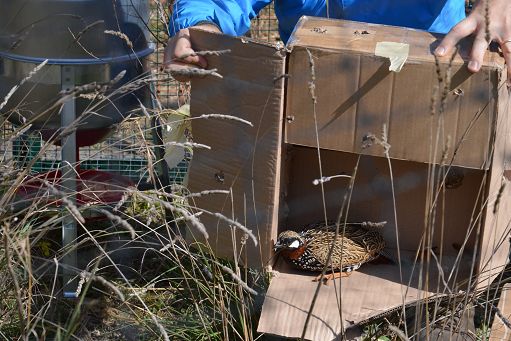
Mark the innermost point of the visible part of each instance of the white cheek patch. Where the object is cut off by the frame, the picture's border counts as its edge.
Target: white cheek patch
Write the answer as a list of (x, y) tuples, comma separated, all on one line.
[(294, 245)]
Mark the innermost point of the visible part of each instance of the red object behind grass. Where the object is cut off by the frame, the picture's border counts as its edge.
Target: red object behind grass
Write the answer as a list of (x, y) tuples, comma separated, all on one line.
[(84, 138), (93, 187)]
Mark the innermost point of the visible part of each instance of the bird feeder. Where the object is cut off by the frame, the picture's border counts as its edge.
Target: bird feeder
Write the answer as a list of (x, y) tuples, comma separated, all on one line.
[(85, 52)]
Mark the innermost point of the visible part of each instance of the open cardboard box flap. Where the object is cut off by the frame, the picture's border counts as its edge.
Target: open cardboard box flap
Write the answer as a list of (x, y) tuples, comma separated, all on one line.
[(372, 290), (270, 175), (243, 159), (499, 330)]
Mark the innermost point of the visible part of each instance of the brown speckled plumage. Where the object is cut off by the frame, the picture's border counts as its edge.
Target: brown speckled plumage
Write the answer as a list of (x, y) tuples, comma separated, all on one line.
[(356, 244)]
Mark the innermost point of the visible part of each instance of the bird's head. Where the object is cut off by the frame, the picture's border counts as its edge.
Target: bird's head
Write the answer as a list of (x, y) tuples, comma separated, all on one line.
[(289, 240)]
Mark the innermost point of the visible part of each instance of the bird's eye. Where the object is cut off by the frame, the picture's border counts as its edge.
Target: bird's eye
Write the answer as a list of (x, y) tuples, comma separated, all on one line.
[(290, 241)]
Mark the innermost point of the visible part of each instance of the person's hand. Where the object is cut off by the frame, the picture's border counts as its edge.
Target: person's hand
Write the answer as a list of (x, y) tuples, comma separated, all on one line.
[(499, 28), (180, 46)]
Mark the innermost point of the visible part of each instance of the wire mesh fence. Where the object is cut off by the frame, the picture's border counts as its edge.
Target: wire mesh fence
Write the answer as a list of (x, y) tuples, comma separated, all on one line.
[(265, 26), (116, 153)]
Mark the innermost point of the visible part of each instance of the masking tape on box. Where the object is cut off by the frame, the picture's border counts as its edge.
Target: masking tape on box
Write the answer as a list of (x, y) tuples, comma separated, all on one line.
[(397, 53)]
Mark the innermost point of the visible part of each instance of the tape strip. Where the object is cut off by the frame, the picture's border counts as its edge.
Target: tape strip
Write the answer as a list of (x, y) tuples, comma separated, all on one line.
[(397, 53)]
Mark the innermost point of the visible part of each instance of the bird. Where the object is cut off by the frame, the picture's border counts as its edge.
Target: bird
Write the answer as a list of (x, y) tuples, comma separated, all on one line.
[(356, 244)]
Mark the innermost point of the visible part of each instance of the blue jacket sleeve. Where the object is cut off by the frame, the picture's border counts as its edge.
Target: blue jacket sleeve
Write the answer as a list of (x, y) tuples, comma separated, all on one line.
[(232, 16)]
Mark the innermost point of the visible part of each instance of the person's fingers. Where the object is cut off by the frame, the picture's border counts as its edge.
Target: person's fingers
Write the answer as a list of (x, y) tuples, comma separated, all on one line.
[(169, 52), (506, 51), (479, 48), (184, 53), (194, 59), (203, 62), (175, 68), (463, 29), (179, 55)]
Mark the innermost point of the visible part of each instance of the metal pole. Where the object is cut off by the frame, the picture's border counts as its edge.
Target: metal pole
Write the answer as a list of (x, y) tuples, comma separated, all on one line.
[(159, 150), (68, 181)]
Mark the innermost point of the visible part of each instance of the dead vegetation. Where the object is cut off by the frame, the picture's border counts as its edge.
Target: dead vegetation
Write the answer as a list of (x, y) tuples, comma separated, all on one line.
[(144, 275)]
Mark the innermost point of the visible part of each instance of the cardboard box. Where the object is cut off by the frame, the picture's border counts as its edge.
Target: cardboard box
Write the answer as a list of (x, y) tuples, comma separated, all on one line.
[(270, 167), (499, 331)]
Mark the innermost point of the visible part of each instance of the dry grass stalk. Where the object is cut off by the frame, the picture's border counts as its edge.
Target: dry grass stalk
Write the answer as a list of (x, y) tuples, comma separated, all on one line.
[(78, 36), (184, 214), (501, 316), (87, 276), (207, 192), (324, 179), (226, 117), (236, 224), (124, 198), (118, 220), (66, 201), (120, 35), (499, 196), (398, 332), (14, 277), (23, 81), (204, 53), (238, 280), (187, 145), (344, 206), (194, 72), (19, 132)]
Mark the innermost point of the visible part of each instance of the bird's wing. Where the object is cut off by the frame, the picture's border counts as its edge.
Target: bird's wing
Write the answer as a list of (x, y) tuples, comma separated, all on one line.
[(346, 251)]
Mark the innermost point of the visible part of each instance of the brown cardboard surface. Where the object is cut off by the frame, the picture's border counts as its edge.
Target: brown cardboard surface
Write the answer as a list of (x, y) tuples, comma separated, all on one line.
[(371, 290), (271, 177), (372, 198), (357, 94), (333, 34), (497, 224), (242, 159), (499, 331)]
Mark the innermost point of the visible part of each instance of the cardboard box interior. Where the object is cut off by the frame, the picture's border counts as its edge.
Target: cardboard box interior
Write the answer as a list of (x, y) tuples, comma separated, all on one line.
[(381, 284), (372, 198), (270, 175)]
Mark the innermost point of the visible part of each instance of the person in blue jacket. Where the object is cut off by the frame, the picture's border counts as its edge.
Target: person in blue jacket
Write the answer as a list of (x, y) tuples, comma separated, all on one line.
[(441, 16)]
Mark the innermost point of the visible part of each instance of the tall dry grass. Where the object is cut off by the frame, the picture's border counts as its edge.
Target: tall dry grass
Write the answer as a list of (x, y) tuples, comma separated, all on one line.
[(142, 273), (139, 271)]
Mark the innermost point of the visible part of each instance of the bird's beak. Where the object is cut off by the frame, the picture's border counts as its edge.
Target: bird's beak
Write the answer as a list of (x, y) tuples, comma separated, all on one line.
[(277, 247)]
